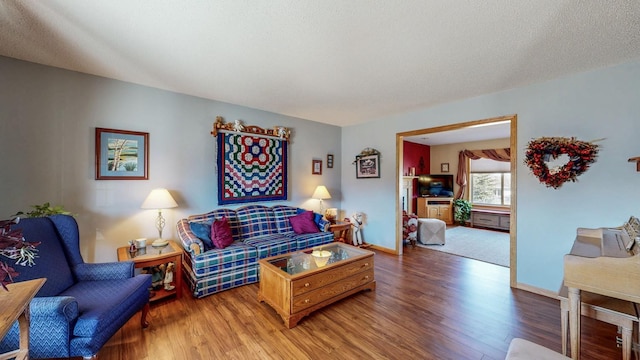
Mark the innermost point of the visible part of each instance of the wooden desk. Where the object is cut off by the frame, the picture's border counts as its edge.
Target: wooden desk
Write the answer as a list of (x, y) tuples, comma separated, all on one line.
[(152, 256), (15, 306), (342, 232)]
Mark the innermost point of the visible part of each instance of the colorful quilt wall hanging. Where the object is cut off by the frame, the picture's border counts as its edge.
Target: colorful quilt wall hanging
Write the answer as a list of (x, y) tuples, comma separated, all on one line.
[(252, 167)]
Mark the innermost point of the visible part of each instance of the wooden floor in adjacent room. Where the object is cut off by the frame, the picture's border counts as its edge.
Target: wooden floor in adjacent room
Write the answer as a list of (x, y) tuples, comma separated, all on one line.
[(427, 305)]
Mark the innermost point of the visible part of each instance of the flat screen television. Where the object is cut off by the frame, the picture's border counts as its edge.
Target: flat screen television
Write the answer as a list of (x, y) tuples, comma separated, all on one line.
[(435, 185)]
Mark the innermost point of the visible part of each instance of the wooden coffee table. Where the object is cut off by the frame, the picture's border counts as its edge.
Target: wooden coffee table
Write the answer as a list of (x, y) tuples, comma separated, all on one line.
[(295, 286)]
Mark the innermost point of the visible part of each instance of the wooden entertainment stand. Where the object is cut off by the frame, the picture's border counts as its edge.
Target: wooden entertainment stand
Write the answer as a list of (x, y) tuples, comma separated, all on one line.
[(436, 208)]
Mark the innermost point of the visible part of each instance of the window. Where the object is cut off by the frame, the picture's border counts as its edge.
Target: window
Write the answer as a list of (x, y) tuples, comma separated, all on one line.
[(489, 182), (491, 188)]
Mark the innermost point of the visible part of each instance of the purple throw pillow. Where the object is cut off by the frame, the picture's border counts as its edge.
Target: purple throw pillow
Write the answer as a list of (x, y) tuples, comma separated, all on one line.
[(221, 233), (303, 223)]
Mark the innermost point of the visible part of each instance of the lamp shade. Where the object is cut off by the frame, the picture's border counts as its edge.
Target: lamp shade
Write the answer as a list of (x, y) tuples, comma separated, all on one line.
[(321, 193), (159, 199)]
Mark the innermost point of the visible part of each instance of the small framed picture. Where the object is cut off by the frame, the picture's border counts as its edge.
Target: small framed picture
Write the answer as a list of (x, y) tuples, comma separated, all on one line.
[(444, 167), (329, 161), (122, 155), (368, 166), (316, 167)]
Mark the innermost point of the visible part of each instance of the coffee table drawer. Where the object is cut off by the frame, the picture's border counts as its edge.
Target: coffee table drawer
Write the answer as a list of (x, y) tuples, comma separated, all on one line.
[(317, 296), (310, 283)]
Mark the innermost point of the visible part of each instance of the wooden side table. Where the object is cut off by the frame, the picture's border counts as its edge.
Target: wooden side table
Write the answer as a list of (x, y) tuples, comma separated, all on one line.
[(342, 232), (15, 306), (153, 256)]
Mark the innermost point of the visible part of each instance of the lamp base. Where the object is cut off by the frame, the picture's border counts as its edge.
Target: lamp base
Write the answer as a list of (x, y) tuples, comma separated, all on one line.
[(160, 243)]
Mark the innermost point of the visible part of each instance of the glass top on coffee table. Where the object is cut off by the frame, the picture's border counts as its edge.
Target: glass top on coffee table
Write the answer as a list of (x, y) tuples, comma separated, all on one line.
[(315, 258)]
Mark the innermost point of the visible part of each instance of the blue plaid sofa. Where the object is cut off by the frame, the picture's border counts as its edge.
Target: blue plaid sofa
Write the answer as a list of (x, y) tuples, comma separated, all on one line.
[(258, 232)]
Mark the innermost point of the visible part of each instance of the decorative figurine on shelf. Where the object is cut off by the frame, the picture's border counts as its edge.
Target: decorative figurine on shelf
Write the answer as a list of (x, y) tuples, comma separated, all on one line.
[(237, 125), (168, 277), (157, 276), (281, 131), (357, 231)]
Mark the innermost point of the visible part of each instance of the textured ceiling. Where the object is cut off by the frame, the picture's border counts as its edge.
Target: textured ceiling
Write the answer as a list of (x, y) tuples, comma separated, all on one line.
[(333, 61)]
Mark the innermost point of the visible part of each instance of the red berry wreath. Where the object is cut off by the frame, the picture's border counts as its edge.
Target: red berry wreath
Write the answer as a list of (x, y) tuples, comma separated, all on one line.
[(581, 155)]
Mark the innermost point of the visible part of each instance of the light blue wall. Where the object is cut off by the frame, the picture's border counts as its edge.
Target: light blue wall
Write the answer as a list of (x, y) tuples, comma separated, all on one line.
[(47, 126), (599, 104), (48, 118)]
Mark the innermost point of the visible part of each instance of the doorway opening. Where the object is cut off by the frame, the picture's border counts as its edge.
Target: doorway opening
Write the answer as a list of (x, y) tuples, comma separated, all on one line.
[(476, 130)]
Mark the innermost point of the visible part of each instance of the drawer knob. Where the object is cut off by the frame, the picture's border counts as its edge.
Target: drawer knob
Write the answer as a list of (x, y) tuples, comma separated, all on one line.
[(367, 277), (366, 264), (307, 284), (306, 301)]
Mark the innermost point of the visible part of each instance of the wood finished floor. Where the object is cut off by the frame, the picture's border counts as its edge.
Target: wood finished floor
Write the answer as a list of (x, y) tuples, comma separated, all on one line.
[(427, 305)]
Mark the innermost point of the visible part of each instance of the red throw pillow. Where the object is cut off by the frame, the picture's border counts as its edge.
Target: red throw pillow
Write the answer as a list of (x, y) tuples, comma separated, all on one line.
[(221, 233), (303, 223)]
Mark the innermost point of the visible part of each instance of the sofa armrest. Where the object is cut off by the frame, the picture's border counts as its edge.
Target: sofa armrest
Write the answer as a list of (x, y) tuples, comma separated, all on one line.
[(190, 242), (323, 225), (104, 271)]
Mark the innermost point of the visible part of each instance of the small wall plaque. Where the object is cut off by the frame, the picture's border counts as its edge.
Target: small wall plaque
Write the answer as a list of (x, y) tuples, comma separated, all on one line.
[(316, 167), (329, 161)]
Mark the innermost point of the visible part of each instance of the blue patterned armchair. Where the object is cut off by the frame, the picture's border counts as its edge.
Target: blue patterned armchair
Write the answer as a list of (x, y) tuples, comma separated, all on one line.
[(81, 305)]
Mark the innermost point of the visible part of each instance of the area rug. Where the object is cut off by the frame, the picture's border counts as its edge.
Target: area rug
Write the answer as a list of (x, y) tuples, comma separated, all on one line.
[(484, 245)]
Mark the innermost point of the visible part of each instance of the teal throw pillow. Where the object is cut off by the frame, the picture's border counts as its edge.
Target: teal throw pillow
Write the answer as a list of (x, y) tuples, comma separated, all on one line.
[(203, 231)]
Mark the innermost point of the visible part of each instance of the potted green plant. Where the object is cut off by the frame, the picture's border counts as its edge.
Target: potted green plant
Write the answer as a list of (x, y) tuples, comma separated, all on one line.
[(462, 211), (43, 210)]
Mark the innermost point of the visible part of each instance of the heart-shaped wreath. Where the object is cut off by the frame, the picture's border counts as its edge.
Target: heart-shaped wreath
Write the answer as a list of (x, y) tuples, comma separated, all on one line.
[(581, 154)]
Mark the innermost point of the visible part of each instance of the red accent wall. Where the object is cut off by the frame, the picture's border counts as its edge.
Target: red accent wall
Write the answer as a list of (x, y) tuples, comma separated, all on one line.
[(413, 153), (417, 156)]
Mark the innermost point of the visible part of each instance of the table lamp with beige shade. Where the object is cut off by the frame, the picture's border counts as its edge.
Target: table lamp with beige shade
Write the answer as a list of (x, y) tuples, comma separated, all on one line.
[(159, 199), (321, 193)]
